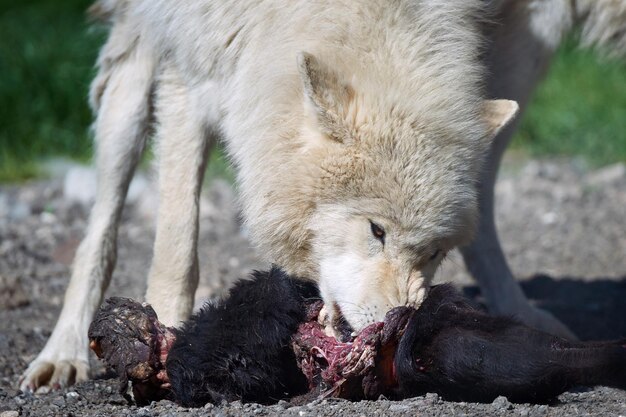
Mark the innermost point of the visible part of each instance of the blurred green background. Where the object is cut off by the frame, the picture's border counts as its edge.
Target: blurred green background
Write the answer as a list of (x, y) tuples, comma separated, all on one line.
[(47, 52)]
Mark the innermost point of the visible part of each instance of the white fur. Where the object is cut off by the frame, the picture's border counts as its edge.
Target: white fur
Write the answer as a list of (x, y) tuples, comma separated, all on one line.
[(335, 114)]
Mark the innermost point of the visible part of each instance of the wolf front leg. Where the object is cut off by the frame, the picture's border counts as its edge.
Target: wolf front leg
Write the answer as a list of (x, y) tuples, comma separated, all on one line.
[(523, 41), (183, 146), (121, 95)]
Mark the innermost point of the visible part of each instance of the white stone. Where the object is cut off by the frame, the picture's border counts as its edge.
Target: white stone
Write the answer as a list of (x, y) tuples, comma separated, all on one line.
[(79, 185), (608, 175)]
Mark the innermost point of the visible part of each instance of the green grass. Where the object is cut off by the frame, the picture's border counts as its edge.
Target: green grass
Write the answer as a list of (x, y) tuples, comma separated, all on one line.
[(46, 63), (579, 109), (47, 52)]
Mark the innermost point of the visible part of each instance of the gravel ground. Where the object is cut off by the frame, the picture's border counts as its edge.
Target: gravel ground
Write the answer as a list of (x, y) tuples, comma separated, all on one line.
[(563, 228)]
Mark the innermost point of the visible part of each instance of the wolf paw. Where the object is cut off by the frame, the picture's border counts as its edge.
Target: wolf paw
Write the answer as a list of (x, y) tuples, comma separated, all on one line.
[(44, 375)]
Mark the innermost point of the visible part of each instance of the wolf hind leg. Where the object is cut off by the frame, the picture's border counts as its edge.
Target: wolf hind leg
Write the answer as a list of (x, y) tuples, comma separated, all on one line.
[(518, 56), (486, 262)]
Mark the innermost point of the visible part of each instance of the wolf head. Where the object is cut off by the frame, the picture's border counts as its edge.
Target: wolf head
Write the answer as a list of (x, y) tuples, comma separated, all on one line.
[(395, 187)]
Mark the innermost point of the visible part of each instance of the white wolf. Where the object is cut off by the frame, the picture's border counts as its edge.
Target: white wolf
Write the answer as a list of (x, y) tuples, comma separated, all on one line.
[(372, 116)]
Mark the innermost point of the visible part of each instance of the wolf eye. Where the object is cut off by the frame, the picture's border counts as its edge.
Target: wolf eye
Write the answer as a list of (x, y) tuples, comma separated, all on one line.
[(378, 232), (434, 255)]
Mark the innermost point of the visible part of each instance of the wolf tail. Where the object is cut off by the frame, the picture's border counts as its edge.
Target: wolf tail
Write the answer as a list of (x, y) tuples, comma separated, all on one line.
[(603, 24)]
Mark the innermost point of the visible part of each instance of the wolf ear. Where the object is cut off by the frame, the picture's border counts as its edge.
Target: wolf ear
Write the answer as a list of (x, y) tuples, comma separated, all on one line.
[(326, 97), (498, 114)]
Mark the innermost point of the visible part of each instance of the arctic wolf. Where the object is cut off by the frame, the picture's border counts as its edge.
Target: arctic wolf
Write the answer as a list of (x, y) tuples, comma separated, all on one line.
[(359, 130)]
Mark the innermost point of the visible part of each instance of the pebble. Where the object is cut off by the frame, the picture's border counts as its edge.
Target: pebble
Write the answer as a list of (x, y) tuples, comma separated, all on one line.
[(431, 398), (47, 218), (10, 414), (20, 211), (59, 402), (538, 411), (609, 175), (502, 403), (143, 412), (79, 185), (4, 205), (72, 397), (12, 293), (236, 405), (282, 405), (399, 407)]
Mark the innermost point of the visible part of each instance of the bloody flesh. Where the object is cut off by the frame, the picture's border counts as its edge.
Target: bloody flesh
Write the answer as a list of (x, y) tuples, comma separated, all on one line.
[(128, 336)]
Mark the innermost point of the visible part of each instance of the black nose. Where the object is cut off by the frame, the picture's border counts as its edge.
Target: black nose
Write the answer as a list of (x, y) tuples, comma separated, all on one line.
[(341, 325)]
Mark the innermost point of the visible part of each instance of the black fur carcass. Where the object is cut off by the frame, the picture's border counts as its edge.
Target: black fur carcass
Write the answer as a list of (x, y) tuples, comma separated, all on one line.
[(263, 343)]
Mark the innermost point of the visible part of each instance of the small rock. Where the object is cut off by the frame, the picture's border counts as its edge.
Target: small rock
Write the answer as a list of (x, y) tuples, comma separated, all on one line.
[(47, 218), (143, 412), (608, 175), (549, 218), (10, 414), (502, 403), (72, 397), (313, 403), (4, 205), (59, 402), (541, 410), (19, 211), (233, 262), (431, 398), (282, 404), (137, 187), (399, 407), (79, 185), (146, 203), (12, 294), (64, 252)]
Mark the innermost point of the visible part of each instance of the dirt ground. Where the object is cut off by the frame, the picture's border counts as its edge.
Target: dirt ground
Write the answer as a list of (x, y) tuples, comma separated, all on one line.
[(563, 228)]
